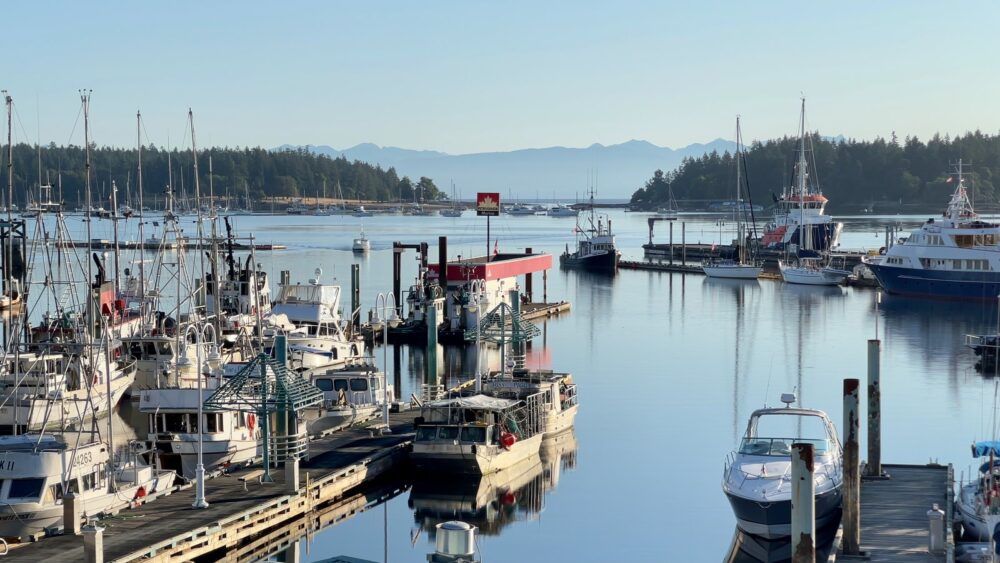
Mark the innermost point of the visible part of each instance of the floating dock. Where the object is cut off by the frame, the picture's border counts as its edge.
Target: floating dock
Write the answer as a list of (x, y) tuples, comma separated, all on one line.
[(894, 523), (242, 516), (103, 244)]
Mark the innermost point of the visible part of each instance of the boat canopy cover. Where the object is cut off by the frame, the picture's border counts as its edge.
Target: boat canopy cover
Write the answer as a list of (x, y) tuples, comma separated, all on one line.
[(983, 449), (482, 402)]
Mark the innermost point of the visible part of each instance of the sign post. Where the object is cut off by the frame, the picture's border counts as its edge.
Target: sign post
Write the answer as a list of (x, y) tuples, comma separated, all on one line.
[(488, 205)]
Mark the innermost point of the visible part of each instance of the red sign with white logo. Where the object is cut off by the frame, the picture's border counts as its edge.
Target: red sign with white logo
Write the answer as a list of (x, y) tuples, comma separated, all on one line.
[(488, 203)]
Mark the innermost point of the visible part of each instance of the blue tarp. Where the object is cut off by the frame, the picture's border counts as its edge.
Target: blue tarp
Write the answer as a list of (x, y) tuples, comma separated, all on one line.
[(983, 449)]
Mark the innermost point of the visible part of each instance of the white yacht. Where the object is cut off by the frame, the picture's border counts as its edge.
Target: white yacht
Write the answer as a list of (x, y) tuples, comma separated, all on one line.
[(809, 272), (560, 210), (351, 395), (310, 318), (41, 469), (757, 476), (954, 256), (477, 434)]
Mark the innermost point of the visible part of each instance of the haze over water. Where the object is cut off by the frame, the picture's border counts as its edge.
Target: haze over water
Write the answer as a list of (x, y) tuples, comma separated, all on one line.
[(669, 368)]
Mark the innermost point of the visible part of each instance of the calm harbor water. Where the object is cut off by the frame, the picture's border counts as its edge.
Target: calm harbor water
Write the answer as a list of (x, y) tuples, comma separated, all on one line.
[(669, 368)]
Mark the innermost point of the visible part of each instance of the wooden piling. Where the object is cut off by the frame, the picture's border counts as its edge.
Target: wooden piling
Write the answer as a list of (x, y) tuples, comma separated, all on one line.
[(671, 244), (684, 248), (852, 475), (874, 467), (803, 504)]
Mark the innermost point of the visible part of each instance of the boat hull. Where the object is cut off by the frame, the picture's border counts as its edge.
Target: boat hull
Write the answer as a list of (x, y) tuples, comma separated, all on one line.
[(944, 284), (774, 520), (472, 458), (732, 272), (606, 262)]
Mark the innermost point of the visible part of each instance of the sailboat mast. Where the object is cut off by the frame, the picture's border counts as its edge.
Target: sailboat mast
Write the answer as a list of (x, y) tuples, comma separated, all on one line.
[(739, 201), (85, 100), (201, 228), (214, 218), (10, 160), (142, 239)]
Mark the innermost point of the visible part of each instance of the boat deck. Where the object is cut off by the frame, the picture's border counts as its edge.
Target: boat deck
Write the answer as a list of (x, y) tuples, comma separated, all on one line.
[(169, 529), (894, 512)]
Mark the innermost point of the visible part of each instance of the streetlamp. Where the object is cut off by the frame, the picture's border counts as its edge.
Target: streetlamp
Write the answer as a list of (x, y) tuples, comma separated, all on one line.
[(388, 309), (214, 360)]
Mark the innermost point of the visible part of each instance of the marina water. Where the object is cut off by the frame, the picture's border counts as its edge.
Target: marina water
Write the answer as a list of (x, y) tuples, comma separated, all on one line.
[(669, 367)]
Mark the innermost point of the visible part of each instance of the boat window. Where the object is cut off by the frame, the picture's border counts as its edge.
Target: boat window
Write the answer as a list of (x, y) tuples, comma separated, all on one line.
[(474, 434), (375, 384), (448, 432), (89, 481), (73, 486), (340, 384), (55, 491), (25, 488), (213, 422), (174, 422), (359, 384), (324, 384), (426, 433), (779, 446), (150, 349), (165, 349)]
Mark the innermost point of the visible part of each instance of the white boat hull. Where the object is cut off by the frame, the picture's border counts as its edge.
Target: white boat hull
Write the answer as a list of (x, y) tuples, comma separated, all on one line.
[(479, 459), (732, 272)]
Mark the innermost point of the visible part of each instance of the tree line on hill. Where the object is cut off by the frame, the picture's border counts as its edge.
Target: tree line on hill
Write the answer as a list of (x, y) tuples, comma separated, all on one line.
[(881, 174), (256, 173)]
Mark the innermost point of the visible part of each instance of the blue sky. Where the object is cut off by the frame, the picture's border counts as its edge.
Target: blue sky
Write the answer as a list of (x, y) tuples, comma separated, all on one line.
[(478, 76)]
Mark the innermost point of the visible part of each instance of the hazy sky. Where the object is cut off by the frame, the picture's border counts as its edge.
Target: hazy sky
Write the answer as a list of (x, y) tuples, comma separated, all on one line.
[(479, 76)]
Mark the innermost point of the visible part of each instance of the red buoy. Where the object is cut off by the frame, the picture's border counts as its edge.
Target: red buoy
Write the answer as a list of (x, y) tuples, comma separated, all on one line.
[(507, 440)]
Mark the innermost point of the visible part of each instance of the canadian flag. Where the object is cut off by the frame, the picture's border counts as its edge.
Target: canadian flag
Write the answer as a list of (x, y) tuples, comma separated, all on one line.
[(496, 249)]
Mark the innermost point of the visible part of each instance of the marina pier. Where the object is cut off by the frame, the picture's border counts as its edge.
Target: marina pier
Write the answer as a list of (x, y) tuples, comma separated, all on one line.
[(240, 509)]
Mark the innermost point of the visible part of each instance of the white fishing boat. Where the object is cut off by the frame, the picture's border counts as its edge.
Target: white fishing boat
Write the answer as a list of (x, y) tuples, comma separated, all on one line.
[(241, 295), (309, 316), (744, 266), (351, 395), (477, 434), (361, 212), (557, 391), (230, 437), (361, 244), (808, 271), (757, 476), (42, 469)]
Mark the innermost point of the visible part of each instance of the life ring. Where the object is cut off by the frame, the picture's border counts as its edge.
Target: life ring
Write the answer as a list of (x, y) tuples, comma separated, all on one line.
[(251, 421), (507, 440)]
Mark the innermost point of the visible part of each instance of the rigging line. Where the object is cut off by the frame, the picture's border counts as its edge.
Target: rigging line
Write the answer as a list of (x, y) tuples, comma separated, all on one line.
[(72, 132)]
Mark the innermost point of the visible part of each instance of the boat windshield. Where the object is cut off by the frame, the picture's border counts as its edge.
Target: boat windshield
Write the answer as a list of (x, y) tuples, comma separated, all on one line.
[(780, 446)]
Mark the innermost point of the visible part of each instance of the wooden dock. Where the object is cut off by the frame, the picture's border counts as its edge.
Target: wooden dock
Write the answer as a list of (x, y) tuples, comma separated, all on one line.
[(661, 267), (233, 526), (894, 523)]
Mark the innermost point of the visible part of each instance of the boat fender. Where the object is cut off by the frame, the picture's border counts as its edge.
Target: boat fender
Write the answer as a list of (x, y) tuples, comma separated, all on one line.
[(509, 498), (507, 440), (140, 493), (251, 421)]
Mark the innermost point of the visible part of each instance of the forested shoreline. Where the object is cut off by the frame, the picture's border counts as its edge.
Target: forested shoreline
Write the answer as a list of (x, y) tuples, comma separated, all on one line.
[(854, 175), (256, 173)]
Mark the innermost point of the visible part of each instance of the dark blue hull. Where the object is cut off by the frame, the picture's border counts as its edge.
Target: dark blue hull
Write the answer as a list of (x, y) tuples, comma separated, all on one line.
[(944, 284), (774, 519)]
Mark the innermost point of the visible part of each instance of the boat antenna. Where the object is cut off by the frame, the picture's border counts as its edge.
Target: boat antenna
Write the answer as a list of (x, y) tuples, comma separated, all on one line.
[(770, 370)]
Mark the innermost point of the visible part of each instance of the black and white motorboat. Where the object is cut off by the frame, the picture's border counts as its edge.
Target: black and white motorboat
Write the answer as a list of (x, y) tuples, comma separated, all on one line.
[(757, 478)]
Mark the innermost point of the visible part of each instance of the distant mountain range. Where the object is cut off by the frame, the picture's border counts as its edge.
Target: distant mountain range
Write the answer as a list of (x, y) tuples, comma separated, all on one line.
[(546, 173)]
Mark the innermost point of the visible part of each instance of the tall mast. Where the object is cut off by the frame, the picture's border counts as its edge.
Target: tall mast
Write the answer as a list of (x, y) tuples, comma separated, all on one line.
[(114, 230), (85, 100), (214, 218), (142, 239), (10, 160), (197, 203), (739, 201), (802, 154)]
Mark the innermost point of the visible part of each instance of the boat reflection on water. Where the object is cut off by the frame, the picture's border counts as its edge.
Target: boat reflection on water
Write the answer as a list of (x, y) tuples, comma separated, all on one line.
[(747, 548), (492, 502)]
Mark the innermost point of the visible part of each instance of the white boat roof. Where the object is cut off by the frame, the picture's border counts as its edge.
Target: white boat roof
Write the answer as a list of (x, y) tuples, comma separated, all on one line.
[(482, 402)]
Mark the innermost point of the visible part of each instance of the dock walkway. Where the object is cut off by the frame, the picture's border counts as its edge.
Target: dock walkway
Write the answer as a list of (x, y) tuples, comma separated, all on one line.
[(169, 528), (894, 512)]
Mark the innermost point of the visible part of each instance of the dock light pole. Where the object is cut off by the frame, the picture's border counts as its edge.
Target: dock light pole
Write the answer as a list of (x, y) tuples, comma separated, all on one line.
[(388, 309), (478, 288), (214, 360)]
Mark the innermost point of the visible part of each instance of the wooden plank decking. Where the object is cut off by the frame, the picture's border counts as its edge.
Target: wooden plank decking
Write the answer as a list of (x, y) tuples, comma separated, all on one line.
[(894, 512), (169, 526)]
